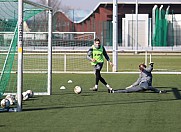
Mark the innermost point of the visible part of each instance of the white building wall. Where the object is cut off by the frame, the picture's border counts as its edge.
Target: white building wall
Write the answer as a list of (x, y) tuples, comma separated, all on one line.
[(129, 30)]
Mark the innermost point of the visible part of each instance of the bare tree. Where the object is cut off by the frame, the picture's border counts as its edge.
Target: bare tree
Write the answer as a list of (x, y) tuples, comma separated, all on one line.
[(55, 4)]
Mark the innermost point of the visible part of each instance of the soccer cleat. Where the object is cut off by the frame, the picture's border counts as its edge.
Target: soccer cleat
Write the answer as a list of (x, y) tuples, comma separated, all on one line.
[(162, 91), (110, 91), (94, 89), (109, 88)]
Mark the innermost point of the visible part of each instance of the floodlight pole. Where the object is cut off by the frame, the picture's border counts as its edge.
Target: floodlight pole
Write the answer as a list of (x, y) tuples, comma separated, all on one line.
[(115, 36), (136, 34), (20, 56)]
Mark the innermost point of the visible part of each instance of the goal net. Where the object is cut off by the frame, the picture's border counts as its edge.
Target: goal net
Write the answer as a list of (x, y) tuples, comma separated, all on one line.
[(35, 47), (69, 51)]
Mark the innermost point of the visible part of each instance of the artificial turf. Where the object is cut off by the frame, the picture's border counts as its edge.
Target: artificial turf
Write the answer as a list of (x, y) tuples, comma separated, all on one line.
[(100, 111)]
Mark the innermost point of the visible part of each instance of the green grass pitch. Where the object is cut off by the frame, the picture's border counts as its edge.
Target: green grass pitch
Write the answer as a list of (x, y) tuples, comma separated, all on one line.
[(65, 111)]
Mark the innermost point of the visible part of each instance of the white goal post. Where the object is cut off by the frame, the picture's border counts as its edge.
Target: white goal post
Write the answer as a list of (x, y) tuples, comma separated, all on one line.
[(20, 49)]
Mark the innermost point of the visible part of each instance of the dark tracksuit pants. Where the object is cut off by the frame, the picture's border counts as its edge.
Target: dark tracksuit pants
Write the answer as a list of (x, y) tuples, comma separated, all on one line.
[(142, 87)]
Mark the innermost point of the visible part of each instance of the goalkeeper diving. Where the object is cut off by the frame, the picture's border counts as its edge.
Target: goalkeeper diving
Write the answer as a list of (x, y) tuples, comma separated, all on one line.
[(143, 83)]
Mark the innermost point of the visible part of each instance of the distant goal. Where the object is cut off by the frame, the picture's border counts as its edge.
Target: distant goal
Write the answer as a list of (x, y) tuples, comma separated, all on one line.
[(72, 40)]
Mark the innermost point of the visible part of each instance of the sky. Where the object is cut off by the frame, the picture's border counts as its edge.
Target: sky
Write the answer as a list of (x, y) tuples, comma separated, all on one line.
[(83, 4), (91, 4)]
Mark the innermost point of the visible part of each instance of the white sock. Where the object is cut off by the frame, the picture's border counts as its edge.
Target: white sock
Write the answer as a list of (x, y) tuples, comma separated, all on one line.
[(96, 86), (107, 86)]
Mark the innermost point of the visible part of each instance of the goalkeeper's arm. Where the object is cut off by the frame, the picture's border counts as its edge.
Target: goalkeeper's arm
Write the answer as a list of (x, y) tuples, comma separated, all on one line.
[(151, 64)]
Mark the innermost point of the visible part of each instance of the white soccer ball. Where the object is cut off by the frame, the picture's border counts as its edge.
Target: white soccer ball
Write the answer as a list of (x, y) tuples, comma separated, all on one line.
[(8, 96), (77, 89), (25, 96), (5, 103), (11, 98), (30, 93)]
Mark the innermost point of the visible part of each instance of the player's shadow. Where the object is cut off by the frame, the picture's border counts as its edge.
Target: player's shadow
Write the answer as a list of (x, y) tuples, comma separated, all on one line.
[(174, 90), (2, 125), (82, 94), (95, 104), (176, 93)]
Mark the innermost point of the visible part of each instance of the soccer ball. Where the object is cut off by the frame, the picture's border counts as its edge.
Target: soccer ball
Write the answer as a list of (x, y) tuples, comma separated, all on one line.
[(11, 98), (77, 89), (30, 93), (25, 96), (5, 103)]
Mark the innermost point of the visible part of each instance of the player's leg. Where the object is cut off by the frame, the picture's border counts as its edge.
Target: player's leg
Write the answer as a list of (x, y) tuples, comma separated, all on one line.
[(102, 79), (130, 90), (153, 89), (98, 78), (97, 69), (156, 90)]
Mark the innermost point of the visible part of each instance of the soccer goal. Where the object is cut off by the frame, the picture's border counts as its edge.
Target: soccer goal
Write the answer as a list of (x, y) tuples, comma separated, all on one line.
[(25, 52), (69, 51)]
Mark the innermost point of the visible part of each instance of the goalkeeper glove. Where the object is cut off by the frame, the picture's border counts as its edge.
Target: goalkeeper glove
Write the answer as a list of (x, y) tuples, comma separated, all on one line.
[(151, 63)]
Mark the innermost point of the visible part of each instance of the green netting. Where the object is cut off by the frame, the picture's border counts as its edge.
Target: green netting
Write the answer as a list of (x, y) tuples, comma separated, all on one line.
[(165, 36), (107, 33), (161, 28), (6, 70), (8, 40)]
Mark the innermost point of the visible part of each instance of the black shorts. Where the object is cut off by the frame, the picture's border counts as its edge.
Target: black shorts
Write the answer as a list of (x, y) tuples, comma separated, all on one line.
[(98, 66)]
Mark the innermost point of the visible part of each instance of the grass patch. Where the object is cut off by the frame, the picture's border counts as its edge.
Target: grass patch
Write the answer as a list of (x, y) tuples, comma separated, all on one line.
[(99, 111)]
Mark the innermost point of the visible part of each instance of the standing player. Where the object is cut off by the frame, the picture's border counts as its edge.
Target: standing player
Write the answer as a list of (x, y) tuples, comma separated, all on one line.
[(96, 55), (143, 83)]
